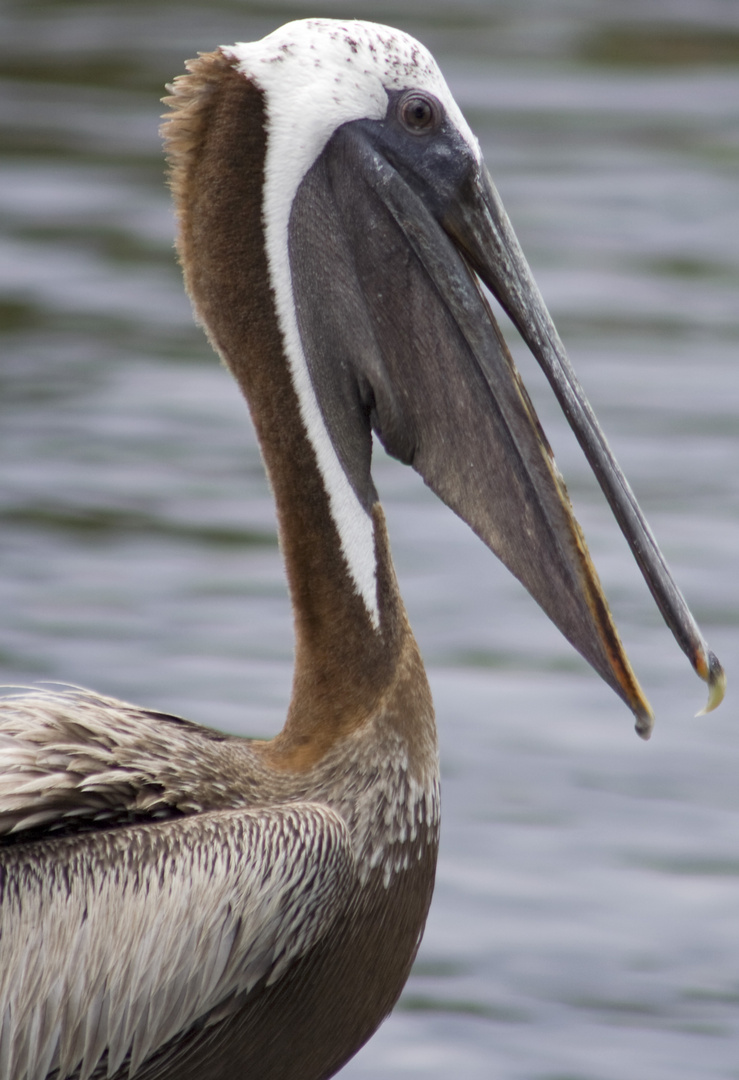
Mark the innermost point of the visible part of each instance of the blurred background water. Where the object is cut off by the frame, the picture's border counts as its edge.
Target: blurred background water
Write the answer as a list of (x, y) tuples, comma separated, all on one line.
[(585, 921)]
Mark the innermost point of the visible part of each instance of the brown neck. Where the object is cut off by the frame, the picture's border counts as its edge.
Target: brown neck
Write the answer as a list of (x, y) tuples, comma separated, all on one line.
[(217, 146)]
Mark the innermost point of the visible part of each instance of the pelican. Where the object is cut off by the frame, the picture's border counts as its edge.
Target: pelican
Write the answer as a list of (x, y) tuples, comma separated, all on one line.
[(178, 903)]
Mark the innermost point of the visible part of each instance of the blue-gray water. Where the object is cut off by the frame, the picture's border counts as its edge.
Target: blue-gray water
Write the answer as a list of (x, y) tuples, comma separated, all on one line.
[(585, 919)]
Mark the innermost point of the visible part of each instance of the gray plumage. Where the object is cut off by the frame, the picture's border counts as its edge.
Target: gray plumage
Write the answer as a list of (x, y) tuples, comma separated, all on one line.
[(116, 940)]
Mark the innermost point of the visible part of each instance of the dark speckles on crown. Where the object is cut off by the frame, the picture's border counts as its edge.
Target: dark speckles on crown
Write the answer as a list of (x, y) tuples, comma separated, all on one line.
[(399, 57), (372, 57)]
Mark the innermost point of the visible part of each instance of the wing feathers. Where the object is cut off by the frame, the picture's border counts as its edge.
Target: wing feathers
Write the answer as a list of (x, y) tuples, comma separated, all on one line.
[(148, 928), (76, 754)]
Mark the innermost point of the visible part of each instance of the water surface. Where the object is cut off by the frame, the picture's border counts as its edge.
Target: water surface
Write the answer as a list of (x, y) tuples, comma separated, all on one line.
[(585, 920)]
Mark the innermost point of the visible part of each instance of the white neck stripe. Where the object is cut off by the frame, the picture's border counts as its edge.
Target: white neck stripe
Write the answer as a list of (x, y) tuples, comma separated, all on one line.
[(317, 74)]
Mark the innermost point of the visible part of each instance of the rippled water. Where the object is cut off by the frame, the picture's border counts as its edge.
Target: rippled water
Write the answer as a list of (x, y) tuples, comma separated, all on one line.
[(585, 921)]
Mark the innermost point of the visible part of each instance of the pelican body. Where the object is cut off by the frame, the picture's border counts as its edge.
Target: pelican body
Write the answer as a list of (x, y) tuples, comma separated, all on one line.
[(178, 903)]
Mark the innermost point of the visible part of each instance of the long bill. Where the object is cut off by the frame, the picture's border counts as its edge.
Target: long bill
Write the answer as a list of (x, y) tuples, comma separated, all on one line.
[(480, 227), (425, 361)]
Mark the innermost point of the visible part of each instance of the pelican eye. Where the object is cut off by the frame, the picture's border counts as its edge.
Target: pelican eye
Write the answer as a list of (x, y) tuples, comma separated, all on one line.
[(418, 112)]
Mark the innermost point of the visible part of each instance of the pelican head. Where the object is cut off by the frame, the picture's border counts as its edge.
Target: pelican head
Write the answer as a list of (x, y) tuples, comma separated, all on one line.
[(331, 159)]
